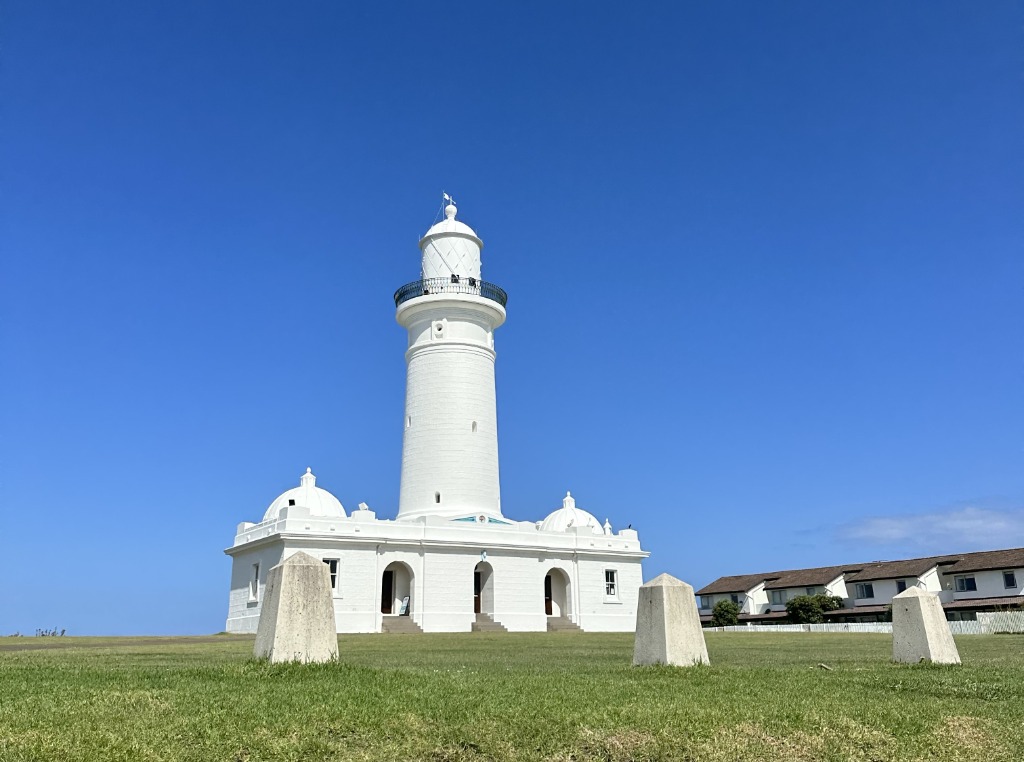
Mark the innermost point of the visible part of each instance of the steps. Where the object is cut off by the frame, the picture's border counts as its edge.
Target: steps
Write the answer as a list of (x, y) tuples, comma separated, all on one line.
[(486, 623), (561, 624), (399, 625)]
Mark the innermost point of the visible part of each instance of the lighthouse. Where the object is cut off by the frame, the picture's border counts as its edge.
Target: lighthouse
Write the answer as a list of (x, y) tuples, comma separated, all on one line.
[(450, 442), (447, 560)]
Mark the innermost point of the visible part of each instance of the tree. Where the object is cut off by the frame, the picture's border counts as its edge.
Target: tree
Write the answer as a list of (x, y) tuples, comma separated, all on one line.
[(725, 614), (810, 609)]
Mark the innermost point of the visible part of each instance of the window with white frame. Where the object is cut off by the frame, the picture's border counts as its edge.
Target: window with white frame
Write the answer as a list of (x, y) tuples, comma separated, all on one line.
[(736, 598), (611, 583), (254, 583), (901, 585), (1009, 580), (706, 602), (965, 583), (778, 597), (332, 564), (865, 590), (811, 590)]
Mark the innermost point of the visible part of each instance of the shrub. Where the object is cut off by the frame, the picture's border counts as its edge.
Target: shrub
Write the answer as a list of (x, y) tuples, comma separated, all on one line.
[(810, 609), (725, 614)]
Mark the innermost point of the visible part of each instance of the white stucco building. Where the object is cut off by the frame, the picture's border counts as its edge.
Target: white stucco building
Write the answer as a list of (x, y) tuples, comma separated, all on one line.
[(450, 560)]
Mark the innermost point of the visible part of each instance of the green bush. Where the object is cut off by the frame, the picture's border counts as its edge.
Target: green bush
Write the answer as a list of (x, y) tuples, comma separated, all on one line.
[(725, 614), (810, 609)]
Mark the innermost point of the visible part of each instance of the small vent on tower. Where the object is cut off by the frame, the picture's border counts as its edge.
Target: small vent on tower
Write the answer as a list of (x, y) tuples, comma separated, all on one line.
[(408, 421), (474, 427), (437, 497), (291, 501)]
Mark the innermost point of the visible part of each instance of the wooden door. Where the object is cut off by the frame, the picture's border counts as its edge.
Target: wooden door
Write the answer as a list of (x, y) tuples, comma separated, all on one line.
[(547, 595), (476, 592), (387, 592)]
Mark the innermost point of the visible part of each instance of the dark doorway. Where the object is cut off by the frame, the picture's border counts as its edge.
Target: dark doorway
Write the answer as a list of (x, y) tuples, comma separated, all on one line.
[(547, 595), (387, 588), (476, 592)]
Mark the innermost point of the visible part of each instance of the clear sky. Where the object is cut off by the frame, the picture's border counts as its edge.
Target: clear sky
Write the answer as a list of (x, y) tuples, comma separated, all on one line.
[(764, 265)]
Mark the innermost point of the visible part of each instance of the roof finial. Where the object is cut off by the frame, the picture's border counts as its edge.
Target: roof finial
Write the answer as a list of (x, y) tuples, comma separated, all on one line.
[(308, 480), (568, 501), (450, 210)]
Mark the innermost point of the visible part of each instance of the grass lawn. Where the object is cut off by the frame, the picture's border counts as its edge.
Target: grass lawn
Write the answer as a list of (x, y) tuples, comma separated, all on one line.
[(557, 696)]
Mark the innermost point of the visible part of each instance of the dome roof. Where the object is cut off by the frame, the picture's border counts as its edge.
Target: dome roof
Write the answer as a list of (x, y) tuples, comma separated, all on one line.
[(319, 502), (451, 226), (569, 516)]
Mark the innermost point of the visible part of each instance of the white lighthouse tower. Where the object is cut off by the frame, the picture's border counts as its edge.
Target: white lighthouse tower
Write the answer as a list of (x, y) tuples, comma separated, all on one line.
[(450, 446)]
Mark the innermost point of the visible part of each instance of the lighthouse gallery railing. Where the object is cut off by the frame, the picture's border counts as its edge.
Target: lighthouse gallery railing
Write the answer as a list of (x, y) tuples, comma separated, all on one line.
[(453, 285)]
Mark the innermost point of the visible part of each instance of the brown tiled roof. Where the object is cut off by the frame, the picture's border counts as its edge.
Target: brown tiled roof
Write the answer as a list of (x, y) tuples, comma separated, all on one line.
[(988, 559), (911, 567), (970, 603), (737, 584), (809, 577)]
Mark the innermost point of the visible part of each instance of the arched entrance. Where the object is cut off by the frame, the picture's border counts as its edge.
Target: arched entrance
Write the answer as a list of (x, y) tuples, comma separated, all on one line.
[(483, 588), (556, 593), (396, 590)]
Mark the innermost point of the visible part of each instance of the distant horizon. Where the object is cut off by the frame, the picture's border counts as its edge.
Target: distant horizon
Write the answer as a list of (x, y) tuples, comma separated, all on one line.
[(763, 268)]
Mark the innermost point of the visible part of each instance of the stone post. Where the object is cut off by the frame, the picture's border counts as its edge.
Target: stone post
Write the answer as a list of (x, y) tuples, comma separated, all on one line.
[(919, 629), (668, 627), (297, 618)]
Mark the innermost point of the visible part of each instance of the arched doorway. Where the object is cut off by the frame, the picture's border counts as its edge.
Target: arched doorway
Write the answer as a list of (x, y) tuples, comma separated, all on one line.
[(483, 588), (396, 590), (556, 593)]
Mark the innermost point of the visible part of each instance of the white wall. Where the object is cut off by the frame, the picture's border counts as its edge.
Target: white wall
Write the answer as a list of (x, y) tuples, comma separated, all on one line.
[(989, 582), (442, 556)]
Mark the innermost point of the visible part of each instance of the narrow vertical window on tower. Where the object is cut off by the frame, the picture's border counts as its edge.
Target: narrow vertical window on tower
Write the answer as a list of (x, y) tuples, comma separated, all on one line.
[(437, 497), (254, 583), (474, 427)]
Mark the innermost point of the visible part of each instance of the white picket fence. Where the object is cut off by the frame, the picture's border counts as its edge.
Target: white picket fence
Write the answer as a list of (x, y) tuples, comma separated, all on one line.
[(957, 628)]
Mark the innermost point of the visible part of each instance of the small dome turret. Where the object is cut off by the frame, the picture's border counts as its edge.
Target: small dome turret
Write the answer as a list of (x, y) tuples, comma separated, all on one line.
[(319, 502), (570, 517)]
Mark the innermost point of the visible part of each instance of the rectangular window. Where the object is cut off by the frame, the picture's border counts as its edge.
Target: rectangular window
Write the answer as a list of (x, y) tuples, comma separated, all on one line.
[(611, 583), (966, 584), (811, 590), (332, 564), (254, 583), (901, 585), (735, 599), (865, 590), (778, 597), (705, 602), (1009, 580)]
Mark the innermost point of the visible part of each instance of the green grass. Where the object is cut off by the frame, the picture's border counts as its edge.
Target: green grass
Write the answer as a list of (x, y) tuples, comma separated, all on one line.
[(509, 697)]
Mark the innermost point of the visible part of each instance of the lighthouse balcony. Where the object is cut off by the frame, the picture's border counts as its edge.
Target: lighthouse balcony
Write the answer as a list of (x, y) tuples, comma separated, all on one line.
[(454, 284)]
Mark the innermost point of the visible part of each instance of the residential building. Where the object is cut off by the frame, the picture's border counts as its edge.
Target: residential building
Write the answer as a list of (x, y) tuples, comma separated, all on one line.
[(966, 583)]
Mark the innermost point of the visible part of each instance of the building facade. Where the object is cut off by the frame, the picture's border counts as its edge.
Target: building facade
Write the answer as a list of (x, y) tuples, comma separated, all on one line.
[(450, 560), (965, 583)]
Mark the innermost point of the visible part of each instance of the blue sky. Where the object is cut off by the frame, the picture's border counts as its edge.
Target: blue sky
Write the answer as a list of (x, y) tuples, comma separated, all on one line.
[(764, 264)]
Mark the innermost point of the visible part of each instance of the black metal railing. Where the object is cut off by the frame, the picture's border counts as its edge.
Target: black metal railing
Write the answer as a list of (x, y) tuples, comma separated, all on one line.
[(452, 285)]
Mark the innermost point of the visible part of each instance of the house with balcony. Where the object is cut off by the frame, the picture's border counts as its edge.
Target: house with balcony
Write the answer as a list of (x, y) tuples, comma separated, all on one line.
[(745, 590), (824, 580), (987, 581), (966, 583)]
